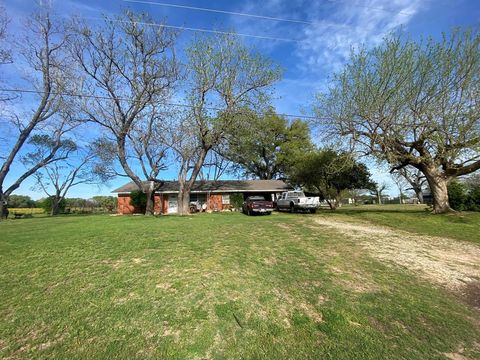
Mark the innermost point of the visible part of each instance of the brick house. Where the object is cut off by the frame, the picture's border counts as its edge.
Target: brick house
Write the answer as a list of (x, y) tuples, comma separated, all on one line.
[(214, 194)]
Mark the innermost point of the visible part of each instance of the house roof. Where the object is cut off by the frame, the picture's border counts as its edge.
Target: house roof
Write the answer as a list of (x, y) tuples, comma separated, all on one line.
[(216, 186)]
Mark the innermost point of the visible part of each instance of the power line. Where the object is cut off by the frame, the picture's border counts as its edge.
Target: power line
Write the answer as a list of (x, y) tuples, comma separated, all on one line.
[(200, 30), (131, 100), (218, 11), (374, 8)]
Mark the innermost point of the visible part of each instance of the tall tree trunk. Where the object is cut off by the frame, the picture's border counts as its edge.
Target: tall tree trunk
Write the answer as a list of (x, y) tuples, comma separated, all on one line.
[(438, 186), (419, 194), (184, 202), (54, 209), (332, 204), (149, 191), (183, 192), (185, 186), (3, 204), (56, 203), (150, 207)]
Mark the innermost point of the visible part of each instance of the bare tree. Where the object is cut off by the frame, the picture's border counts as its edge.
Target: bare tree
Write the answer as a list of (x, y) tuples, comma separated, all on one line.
[(225, 75), (415, 179), (130, 68), (5, 55), (5, 52), (401, 184), (57, 178), (413, 104), (378, 190), (215, 166), (49, 72)]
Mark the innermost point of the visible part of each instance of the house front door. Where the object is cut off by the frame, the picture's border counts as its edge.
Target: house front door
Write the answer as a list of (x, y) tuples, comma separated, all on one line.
[(172, 204)]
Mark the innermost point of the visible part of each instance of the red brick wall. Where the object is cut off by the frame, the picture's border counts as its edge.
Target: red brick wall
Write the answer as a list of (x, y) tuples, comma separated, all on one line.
[(214, 202), (164, 203), (124, 206), (157, 208)]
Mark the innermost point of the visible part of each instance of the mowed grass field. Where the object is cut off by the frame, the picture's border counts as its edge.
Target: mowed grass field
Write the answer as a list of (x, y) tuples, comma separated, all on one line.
[(221, 286)]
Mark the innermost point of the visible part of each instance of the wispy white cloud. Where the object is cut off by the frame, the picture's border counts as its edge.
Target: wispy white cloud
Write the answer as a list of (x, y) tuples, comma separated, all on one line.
[(327, 43), (336, 26), (271, 28), (323, 46)]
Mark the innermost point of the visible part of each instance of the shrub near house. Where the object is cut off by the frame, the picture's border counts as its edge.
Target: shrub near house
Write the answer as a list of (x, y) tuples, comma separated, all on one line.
[(464, 197)]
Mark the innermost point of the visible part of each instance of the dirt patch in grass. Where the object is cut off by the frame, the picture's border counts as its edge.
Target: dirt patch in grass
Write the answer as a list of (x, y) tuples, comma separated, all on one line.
[(51, 342), (171, 332), (471, 293), (125, 299), (287, 304), (114, 264), (165, 286), (27, 342), (286, 226), (270, 261), (138, 260), (446, 262), (457, 355), (354, 280)]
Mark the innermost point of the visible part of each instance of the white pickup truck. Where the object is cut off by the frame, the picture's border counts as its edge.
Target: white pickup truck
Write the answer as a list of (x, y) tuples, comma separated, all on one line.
[(296, 200)]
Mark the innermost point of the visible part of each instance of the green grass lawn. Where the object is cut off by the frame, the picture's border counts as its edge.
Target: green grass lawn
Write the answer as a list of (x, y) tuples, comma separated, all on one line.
[(216, 286), (417, 219)]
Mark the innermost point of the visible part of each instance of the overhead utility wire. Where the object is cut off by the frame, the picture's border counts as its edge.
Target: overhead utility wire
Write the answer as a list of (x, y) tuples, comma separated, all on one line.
[(218, 11), (126, 99), (200, 30), (349, 3)]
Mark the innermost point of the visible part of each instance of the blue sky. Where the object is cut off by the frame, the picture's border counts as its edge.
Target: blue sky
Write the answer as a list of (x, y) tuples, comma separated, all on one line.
[(310, 47)]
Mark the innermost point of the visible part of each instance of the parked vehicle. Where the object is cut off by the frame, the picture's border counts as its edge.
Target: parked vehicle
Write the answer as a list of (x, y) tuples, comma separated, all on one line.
[(257, 205), (297, 201), (197, 206)]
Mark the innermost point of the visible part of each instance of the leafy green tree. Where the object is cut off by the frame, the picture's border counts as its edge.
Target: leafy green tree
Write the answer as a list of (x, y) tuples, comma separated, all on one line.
[(330, 174), (472, 183), (106, 202), (20, 201), (457, 195), (51, 204), (465, 194), (75, 203), (473, 199), (263, 146), (412, 104)]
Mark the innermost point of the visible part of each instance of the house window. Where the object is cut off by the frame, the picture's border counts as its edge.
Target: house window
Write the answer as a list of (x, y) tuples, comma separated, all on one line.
[(226, 199), (201, 198)]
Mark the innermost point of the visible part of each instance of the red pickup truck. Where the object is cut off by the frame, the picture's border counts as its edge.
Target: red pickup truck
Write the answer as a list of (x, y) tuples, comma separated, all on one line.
[(257, 205)]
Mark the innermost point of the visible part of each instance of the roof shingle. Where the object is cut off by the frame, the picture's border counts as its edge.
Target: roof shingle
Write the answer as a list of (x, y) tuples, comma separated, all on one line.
[(216, 186)]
